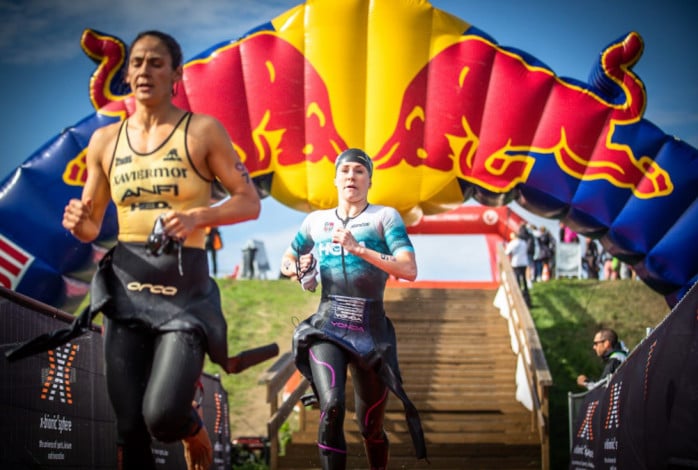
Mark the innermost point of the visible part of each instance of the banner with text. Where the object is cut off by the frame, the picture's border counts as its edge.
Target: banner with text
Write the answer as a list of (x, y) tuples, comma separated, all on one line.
[(54, 405)]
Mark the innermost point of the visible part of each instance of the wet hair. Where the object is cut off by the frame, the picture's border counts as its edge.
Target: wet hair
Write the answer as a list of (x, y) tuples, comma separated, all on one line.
[(170, 43)]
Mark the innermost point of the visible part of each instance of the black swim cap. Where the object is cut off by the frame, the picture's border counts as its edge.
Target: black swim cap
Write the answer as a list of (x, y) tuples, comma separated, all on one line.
[(355, 156)]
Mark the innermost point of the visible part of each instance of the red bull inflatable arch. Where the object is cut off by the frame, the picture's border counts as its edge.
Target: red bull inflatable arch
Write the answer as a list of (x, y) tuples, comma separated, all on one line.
[(448, 114)]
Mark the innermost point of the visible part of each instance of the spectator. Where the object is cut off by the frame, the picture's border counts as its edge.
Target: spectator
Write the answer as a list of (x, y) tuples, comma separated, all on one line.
[(545, 246), (567, 235), (516, 249), (590, 260), (526, 234), (626, 271), (214, 242), (249, 259), (612, 351)]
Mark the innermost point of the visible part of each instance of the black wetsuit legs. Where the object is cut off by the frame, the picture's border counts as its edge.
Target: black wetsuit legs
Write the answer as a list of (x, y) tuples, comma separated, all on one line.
[(329, 365), (371, 398), (151, 380), (520, 273)]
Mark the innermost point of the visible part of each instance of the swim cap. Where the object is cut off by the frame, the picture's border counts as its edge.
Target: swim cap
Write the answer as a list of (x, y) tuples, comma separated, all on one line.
[(355, 156)]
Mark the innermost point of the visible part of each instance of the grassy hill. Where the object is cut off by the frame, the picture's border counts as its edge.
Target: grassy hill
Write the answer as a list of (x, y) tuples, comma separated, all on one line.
[(566, 312)]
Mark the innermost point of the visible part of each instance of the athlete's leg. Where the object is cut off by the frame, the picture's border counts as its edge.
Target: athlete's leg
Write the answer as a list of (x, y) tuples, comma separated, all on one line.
[(177, 366), (371, 398), (168, 402), (128, 354), (328, 364)]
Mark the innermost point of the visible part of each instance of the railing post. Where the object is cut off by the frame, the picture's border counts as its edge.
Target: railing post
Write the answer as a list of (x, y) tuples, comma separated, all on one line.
[(275, 379)]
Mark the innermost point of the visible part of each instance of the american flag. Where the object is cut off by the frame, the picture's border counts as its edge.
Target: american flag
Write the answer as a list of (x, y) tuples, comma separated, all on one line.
[(14, 262)]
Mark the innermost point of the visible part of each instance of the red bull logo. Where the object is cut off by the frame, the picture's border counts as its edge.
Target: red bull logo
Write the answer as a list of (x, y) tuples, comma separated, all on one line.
[(110, 55), (75, 173), (494, 115), (280, 126), (487, 119)]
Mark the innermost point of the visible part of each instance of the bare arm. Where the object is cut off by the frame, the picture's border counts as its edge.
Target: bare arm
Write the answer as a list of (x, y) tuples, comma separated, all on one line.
[(83, 217), (213, 153)]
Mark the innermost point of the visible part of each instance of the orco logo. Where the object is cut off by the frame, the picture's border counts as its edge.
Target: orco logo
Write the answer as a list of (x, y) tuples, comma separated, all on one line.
[(156, 289)]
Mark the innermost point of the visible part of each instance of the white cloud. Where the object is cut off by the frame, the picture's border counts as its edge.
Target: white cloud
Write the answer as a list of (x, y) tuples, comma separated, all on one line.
[(37, 31)]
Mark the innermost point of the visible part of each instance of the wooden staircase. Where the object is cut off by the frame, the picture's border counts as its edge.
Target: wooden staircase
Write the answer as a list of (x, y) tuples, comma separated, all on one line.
[(458, 368)]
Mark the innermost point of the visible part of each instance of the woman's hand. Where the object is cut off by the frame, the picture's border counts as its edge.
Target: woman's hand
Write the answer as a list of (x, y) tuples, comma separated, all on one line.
[(77, 219), (178, 225), (344, 238)]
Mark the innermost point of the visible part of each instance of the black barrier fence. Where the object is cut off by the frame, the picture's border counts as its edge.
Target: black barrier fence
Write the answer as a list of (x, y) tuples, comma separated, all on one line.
[(54, 405), (646, 417)]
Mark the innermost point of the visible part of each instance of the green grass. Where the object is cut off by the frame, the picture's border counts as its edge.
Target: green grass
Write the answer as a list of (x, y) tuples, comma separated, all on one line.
[(258, 313), (566, 312)]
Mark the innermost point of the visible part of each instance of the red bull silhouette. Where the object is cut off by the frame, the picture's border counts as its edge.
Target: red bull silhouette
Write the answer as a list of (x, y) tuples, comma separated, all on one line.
[(493, 114)]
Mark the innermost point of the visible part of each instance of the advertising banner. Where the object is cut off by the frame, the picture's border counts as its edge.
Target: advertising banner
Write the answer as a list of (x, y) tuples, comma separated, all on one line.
[(647, 415), (54, 405)]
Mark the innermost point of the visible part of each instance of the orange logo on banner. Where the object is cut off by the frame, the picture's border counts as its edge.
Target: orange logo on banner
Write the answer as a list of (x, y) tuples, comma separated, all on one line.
[(57, 386)]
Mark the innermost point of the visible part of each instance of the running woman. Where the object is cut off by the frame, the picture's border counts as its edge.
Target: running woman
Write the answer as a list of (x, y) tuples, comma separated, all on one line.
[(358, 245), (163, 310)]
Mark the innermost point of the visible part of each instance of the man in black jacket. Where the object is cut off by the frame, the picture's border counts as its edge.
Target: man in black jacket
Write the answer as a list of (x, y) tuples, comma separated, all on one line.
[(611, 351)]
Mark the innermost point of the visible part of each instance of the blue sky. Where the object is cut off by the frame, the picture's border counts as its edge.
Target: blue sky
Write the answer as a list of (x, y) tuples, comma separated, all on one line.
[(45, 76)]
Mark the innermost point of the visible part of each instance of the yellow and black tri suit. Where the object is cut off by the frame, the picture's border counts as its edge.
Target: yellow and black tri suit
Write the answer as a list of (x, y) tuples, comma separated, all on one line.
[(144, 185)]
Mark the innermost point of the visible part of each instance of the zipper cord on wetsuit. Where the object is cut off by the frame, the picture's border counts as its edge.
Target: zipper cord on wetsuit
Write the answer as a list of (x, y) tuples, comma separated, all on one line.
[(344, 264), (179, 259)]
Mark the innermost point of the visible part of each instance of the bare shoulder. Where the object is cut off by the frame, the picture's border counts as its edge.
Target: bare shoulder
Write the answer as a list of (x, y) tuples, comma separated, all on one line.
[(205, 123), (103, 139), (108, 130)]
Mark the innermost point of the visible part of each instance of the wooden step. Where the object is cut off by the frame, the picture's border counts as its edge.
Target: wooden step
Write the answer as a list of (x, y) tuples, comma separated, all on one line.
[(458, 369), (446, 457)]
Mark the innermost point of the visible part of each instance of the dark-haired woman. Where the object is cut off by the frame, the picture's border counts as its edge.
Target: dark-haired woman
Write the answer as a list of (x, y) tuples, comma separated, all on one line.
[(163, 310)]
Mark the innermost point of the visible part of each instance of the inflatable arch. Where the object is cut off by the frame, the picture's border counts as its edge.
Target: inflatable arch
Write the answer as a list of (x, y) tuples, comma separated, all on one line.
[(447, 113), (495, 223)]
